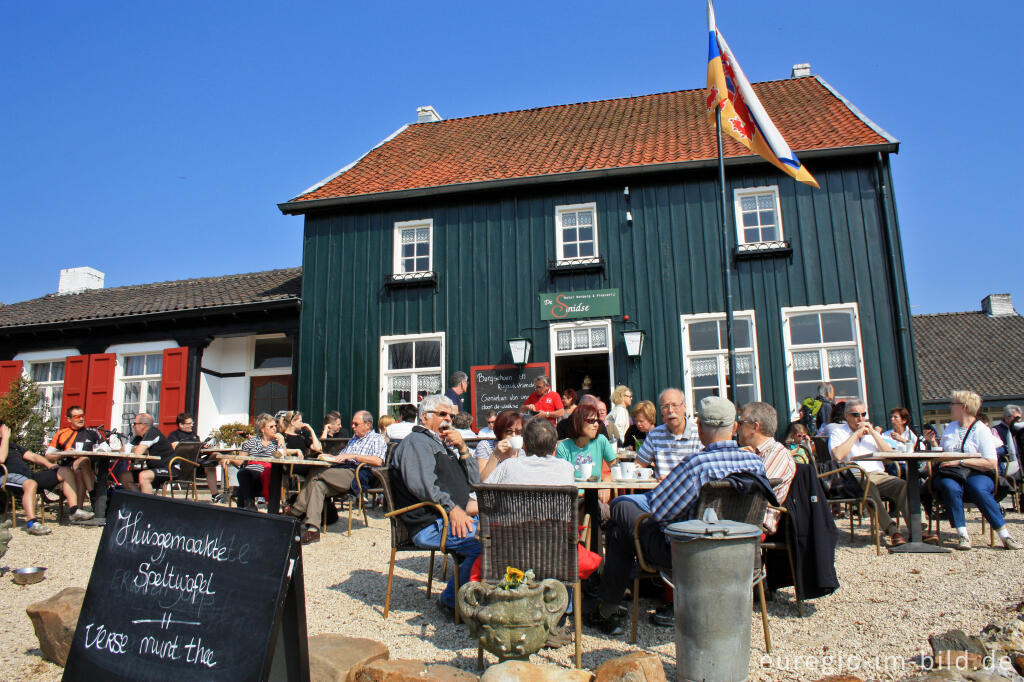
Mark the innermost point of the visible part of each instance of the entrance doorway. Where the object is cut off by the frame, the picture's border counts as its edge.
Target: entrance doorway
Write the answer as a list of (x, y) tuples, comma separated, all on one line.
[(581, 350), (269, 394)]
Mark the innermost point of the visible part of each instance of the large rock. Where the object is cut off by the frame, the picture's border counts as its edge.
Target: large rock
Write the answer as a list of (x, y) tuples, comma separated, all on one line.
[(956, 640), (521, 671), (333, 657), (636, 667), (408, 671), (54, 620)]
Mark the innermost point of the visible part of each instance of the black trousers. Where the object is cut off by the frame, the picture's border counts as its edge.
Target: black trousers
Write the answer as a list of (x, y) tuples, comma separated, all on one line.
[(249, 486), (620, 551)]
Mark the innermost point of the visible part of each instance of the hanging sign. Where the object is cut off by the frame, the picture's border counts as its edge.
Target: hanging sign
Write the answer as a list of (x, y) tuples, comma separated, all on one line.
[(573, 305)]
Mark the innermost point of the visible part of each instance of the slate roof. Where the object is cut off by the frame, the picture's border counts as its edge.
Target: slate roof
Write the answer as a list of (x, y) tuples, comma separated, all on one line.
[(969, 351), (159, 297), (663, 128)]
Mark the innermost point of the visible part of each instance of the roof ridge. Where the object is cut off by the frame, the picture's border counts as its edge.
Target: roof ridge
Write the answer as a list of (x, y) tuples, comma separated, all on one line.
[(589, 101)]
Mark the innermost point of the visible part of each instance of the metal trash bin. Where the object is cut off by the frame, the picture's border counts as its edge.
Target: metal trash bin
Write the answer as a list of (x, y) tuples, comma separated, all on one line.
[(712, 566)]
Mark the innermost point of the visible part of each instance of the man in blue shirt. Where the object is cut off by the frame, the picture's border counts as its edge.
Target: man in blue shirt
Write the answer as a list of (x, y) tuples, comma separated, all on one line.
[(675, 499), (457, 385)]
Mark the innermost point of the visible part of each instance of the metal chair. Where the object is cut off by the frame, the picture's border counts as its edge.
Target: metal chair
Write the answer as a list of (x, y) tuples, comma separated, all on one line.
[(729, 504), (532, 527), (41, 503), (186, 457), (829, 468), (401, 540), (937, 510)]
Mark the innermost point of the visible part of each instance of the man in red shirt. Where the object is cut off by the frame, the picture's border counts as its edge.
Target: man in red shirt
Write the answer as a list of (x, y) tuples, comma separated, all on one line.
[(544, 402)]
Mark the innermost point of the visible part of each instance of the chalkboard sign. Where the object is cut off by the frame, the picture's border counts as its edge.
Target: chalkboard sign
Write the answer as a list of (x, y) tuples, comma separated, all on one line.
[(182, 591), (503, 387)]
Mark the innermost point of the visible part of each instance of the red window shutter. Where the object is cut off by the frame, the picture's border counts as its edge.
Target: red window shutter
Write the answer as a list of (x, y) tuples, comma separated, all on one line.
[(9, 371), (99, 395), (76, 378), (172, 388)]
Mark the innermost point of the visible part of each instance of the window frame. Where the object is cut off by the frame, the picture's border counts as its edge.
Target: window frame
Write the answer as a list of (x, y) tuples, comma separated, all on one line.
[(144, 381), (589, 325), (559, 252), (723, 369), (251, 369), (737, 195), (396, 265), (787, 313), (46, 387), (385, 373)]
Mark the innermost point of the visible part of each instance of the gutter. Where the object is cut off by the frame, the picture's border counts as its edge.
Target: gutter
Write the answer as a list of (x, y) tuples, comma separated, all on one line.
[(302, 207)]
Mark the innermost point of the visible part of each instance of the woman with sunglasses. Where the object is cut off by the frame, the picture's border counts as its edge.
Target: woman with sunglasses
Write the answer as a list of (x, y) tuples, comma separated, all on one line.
[(266, 443), (585, 444), (507, 443)]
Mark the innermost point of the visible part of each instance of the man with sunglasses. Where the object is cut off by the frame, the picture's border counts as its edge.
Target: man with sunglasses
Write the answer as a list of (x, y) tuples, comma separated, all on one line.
[(858, 437), (434, 464)]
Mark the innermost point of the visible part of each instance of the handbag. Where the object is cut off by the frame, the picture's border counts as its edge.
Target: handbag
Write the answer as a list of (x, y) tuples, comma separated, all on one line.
[(959, 473)]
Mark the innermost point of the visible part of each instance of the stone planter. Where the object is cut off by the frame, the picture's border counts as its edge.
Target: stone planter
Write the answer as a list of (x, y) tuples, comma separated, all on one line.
[(512, 624)]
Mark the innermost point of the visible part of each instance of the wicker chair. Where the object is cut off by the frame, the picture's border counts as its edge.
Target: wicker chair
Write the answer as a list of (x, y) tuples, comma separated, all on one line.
[(401, 541), (533, 527), (729, 504), (186, 459)]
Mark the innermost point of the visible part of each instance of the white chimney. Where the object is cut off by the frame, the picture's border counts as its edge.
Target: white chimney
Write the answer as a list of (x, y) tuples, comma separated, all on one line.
[(800, 71), (997, 305), (427, 114), (73, 280)]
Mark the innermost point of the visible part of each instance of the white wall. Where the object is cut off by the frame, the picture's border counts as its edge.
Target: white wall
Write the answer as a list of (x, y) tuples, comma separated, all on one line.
[(224, 400)]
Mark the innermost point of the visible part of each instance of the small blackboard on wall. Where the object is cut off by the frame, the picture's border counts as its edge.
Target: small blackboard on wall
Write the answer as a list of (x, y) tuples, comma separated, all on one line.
[(183, 591), (503, 387)]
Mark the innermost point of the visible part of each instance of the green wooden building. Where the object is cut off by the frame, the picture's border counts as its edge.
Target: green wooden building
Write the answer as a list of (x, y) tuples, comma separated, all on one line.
[(557, 224)]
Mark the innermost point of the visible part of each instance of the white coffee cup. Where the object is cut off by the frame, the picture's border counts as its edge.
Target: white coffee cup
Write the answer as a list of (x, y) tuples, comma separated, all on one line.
[(516, 442), (584, 470), (616, 471), (628, 470), (644, 474)]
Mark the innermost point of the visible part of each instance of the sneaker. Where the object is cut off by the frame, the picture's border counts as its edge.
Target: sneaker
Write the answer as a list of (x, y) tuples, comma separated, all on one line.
[(1010, 544), (664, 616), (261, 503), (611, 626), (82, 515), (36, 528), (963, 543), (217, 499), (99, 521)]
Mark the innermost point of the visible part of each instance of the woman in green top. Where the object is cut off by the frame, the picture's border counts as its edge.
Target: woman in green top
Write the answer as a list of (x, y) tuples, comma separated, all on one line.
[(585, 444)]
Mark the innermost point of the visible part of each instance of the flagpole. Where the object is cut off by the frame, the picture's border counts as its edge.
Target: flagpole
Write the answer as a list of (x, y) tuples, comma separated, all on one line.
[(726, 260)]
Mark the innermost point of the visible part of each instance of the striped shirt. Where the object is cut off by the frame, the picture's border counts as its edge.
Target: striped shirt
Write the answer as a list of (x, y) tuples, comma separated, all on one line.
[(663, 450), (255, 447), (778, 463), (675, 498)]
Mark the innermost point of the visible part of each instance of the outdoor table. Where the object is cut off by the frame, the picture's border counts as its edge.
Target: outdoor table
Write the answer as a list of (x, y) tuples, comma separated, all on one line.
[(592, 506), (913, 494), (101, 490), (276, 468)]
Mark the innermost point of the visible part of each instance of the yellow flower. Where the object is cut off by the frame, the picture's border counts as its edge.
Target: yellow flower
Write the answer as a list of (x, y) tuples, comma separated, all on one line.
[(513, 575)]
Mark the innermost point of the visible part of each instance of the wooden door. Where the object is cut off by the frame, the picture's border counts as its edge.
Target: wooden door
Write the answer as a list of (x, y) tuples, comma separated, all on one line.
[(269, 394)]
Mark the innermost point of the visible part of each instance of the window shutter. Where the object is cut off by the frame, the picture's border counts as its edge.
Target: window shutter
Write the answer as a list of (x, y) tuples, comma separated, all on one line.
[(99, 395), (76, 377), (172, 388), (9, 371)]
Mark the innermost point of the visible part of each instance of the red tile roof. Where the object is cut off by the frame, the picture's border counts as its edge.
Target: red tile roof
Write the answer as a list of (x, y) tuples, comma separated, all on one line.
[(617, 133)]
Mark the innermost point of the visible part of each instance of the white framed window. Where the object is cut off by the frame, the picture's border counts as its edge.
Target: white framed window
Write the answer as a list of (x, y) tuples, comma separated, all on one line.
[(411, 367), (576, 232), (581, 337), (706, 357), (140, 387), (414, 247), (49, 377), (271, 354), (758, 219), (823, 343)]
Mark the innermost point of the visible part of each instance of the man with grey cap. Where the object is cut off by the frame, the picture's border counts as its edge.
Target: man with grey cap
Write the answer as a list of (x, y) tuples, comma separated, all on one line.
[(675, 499)]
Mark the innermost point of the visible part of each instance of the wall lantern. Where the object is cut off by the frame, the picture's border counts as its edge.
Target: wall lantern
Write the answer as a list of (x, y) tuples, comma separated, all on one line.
[(634, 342), (520, 349)]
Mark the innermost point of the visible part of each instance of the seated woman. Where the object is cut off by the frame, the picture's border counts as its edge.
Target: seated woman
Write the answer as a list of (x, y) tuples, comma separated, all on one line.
[(644, 414), (508, 442), (798, 440), (970, 478), (586, 445), (901, 437), (266, 443), (299, 441)]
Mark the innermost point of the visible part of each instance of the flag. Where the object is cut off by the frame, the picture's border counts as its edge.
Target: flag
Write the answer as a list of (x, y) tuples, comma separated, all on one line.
[(743, 117)]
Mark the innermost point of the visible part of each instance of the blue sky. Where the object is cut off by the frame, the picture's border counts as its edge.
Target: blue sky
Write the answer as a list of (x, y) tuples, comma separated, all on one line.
[(153, 140)]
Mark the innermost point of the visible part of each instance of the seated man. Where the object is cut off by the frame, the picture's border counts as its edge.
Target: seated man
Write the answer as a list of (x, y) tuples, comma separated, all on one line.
[(21, 479), (149, 441), (858, 437), (463, 421), (366, 447), (79, 469), (407, 415), (757, 424), (185, 432), (434, 464), (675, 499), (539, 466), (672, 441)]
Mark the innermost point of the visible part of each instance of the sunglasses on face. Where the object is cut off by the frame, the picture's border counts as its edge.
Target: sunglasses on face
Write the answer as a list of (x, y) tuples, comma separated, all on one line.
[(857, 414), (592, 420)]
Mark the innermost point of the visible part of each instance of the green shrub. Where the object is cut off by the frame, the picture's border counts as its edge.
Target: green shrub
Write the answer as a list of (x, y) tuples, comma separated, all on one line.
[(29, 425)]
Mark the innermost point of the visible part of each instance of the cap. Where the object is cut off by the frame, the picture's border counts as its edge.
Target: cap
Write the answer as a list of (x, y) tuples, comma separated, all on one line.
[(716, 411)]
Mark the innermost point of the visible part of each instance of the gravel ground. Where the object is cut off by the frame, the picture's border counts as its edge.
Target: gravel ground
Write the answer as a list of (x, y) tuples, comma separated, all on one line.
[(873, 626)]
